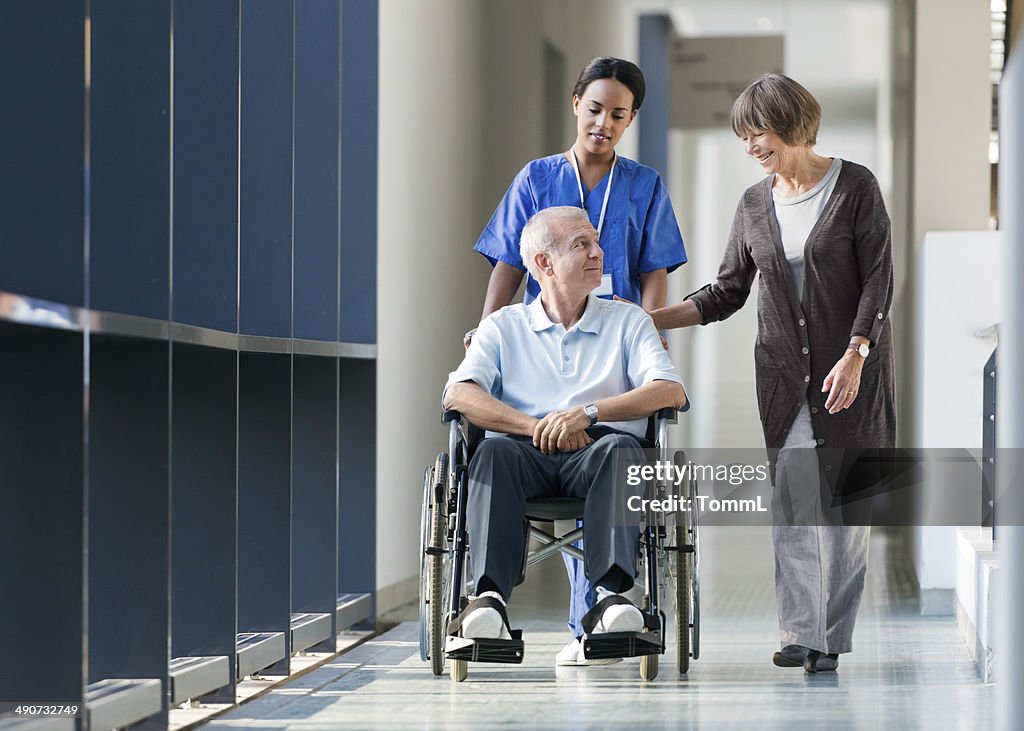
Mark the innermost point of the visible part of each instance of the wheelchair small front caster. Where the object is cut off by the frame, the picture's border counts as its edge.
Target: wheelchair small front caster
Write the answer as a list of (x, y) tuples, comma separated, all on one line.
[(649, 667), (460, 669)]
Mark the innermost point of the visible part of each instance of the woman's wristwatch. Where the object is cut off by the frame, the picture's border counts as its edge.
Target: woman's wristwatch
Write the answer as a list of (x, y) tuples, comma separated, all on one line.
[(860, 349)]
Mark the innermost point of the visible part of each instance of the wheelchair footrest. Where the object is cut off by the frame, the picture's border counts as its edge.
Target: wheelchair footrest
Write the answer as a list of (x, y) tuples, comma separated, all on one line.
[(621, 644), (505, 651)]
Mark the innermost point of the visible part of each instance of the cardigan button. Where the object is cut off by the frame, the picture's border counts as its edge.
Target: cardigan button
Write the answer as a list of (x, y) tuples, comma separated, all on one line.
[(879, 315), (802, 320), (807, 379), (805, 351), (821, 442), (814, 409)]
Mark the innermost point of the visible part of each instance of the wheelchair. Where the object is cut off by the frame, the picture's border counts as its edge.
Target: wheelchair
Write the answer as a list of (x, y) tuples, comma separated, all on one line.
[(668, 556)]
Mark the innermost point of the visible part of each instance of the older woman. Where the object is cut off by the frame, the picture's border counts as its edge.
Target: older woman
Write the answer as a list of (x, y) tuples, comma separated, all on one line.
[(817, 231)]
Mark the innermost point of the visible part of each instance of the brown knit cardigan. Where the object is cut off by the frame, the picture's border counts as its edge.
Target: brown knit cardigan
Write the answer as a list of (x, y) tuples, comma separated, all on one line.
[(847, 291)]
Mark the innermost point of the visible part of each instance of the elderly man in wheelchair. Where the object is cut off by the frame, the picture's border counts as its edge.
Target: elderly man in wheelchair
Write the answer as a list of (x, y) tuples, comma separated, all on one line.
[(564, 387)]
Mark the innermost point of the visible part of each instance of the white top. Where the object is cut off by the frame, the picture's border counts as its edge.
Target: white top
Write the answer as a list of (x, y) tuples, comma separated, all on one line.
[(797, 216), (537, 366)]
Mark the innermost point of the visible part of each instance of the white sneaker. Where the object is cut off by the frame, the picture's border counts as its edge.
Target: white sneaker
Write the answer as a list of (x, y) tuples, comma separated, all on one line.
[(572, 654), (485, 623), (618, 617)]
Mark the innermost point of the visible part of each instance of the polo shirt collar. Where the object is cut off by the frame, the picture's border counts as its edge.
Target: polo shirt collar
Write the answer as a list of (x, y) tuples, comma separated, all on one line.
[(590, 322)]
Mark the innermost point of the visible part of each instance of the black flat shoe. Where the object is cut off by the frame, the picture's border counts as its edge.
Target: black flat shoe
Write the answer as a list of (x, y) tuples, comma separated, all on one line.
[(791, 656), (818, 663)]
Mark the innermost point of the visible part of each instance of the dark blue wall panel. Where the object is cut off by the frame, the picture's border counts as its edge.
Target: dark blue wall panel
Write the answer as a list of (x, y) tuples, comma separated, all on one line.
[(42, 52), (264, 493), (129, 509), (315, 485), (206, 163), (266, 169), (357, 481), (317, 89), (130, 156), (359, 107), (655, 35), (204, 510), (41, 524)]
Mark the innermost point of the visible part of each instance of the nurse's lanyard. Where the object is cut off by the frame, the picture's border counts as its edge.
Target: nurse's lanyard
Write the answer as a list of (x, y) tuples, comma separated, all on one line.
[(607, 288), (607, 190)]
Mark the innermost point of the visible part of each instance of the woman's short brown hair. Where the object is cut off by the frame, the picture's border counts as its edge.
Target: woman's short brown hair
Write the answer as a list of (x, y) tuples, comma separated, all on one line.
[(776, 103)]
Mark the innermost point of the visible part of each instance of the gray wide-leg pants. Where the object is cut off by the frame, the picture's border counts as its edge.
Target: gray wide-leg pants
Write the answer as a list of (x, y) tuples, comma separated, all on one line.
[(820, 563), (507, 471)]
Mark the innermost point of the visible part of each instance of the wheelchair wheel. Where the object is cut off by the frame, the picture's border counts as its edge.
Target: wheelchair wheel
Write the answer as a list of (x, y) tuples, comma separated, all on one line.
[(684, 567), (683, 572), (433, 564), (693, 562)]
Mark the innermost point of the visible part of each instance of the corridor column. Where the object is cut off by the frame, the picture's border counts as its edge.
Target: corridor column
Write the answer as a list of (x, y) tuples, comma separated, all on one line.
[(1010, 433)]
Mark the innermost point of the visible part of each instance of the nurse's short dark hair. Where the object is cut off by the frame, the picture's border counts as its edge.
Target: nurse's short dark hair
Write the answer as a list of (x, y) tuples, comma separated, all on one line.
[(607, 67), (776, 103), (540, 237)]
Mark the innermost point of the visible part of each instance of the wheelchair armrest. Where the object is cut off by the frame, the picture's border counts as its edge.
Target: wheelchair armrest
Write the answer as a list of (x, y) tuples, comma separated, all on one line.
[(449, 415), (669, 414)]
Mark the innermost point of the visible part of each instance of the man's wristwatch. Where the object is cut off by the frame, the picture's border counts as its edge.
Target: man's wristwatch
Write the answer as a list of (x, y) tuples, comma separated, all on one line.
[(862, 350), (591, 411)]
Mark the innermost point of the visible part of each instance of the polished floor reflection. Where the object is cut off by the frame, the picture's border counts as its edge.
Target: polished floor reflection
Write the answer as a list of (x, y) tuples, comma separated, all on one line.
[(905, 672)]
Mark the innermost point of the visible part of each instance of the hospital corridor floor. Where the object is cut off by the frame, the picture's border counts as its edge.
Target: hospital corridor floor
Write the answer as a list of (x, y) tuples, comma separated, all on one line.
[(906, 671)]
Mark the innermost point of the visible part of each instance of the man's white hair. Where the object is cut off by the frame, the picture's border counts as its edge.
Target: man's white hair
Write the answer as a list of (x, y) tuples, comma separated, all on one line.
[(539, 236)]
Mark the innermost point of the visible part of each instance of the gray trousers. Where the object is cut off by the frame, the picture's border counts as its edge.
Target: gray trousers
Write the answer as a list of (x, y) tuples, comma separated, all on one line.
[(506, 471), (820, 563)]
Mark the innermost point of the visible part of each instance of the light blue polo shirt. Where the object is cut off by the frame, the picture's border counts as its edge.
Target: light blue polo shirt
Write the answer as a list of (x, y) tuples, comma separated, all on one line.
[(536, 366)]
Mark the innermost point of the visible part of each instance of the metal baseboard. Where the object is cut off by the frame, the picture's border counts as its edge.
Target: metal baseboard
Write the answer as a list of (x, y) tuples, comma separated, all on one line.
[(193, 677), (258, 650), (353, 608), (309, 629), (115, 703)]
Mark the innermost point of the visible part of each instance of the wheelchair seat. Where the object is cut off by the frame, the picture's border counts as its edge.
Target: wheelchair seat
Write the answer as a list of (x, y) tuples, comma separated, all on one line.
[(554, 508)]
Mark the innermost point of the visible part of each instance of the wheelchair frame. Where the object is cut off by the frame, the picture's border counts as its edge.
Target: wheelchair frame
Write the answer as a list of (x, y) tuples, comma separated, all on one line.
[(443, 553)]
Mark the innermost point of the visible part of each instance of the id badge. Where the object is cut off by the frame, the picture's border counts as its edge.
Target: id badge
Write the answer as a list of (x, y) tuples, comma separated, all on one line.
[(606, 286)]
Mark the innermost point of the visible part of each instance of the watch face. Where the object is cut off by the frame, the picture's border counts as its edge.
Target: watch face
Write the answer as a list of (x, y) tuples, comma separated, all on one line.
[(864, 351)]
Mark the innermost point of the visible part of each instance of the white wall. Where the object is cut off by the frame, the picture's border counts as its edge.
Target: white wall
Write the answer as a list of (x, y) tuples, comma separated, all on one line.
[(460, 112), (959, 296)]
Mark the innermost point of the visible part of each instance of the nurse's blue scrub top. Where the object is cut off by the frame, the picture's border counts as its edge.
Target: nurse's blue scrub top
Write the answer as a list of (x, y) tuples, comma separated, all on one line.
[(640, 232)]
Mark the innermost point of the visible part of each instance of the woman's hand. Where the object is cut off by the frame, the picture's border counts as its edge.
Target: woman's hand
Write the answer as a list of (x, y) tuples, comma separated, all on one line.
[(664, 342), (843, 382)]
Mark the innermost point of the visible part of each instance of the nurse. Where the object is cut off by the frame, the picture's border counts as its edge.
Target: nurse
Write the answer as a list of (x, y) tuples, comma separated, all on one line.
[(628, 205)]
